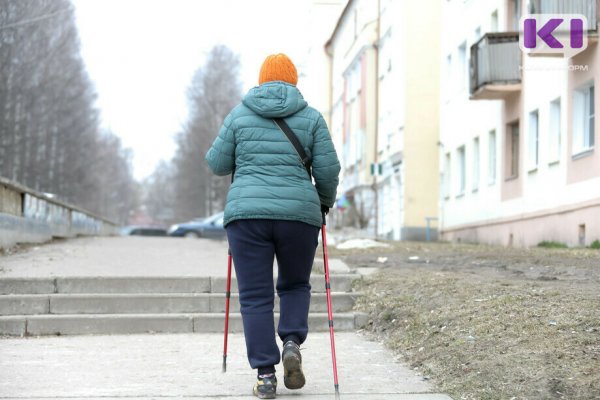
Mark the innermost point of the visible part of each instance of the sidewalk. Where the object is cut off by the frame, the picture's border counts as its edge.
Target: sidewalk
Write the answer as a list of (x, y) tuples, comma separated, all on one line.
[(119, 256), (159, 366), (189, 366)]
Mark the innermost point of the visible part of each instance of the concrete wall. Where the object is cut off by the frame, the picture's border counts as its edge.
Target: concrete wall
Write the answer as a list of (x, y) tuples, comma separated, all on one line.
[(574, 226), (27, 216)]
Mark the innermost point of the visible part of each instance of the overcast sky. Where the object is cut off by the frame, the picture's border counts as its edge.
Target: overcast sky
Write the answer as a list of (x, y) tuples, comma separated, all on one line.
[(141, 55)]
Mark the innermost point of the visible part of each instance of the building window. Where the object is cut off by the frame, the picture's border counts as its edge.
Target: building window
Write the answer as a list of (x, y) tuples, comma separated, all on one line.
[(461, 171), (477, 34), (447, 166), (517, 14), (554, 132), (476, 164), (355, 24), (492, 157), (533, 153), (512, 151), (583, 119), (449, 79), (534, 7), (463, 72), (494, 22)]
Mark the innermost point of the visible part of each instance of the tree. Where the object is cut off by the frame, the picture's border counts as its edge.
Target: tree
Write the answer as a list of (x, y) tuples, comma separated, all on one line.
[(159, 194), (50, 139), (215, 89)]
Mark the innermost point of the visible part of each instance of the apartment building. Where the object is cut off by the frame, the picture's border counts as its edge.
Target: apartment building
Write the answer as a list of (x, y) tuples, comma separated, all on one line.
[(384, 115), (313, 65), (517, 132)]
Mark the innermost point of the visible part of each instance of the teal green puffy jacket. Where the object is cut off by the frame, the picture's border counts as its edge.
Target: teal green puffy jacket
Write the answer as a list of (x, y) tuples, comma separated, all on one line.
[(270, 181)]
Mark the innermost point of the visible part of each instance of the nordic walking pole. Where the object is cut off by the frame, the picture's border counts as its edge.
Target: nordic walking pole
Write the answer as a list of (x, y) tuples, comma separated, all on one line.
[(329, 312), (227, 298)]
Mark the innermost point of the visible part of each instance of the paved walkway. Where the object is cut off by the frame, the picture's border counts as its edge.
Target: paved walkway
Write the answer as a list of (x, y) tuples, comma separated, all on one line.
[(173, 365), (120, 256), (189, 366)]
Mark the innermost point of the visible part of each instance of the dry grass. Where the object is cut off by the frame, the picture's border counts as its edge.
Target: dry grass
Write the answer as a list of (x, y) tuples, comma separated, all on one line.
[(488, 323)]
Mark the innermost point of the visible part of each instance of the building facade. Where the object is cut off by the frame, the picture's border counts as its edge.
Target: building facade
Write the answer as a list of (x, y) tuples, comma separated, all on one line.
[(384, 115), (517, 131)]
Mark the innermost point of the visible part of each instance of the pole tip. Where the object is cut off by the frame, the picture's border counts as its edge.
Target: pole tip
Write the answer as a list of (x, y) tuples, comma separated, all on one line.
[(224, 369)]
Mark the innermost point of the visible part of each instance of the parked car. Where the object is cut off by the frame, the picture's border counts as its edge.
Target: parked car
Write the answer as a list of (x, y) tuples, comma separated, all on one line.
[(143, 230), (211, 227)]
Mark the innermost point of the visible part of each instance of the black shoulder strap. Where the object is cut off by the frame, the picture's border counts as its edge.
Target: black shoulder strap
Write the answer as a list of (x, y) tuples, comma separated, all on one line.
[(283, 126)]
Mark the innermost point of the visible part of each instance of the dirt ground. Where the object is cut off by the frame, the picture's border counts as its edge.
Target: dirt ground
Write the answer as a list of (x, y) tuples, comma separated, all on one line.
[(486, 322)]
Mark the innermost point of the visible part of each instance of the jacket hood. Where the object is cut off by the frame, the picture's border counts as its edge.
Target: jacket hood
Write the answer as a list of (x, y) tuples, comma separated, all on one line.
[(274, 99)]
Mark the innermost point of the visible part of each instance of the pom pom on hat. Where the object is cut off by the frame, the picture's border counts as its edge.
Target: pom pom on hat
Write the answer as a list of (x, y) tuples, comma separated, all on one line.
[(278, 67)]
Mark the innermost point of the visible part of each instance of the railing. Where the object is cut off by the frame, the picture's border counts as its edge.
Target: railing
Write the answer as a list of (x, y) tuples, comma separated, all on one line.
[(494, 66), (589, 8), (28, 216)]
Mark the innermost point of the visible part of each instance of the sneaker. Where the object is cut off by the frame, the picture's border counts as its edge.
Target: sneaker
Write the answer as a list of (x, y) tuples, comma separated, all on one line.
[(293, 377), (265, 387)]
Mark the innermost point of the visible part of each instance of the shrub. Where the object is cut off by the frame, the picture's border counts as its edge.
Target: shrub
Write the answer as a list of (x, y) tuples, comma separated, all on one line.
[(595, 244)]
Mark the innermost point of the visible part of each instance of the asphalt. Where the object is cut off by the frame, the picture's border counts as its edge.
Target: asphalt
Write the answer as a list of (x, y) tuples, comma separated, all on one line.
[(169, 366)]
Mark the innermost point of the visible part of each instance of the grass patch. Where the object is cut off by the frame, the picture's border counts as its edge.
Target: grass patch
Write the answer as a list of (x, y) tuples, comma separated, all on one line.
[(481, 323), (552, 245)]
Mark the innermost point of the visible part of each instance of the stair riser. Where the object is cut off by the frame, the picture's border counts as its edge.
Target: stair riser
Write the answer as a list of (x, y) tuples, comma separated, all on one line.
[(339, 283), (24, 304), (127, 324), (134, 304), (27, 285)]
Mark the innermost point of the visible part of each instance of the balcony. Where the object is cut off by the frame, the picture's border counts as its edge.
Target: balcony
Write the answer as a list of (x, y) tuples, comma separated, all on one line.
[(495, 66), (589, 8)]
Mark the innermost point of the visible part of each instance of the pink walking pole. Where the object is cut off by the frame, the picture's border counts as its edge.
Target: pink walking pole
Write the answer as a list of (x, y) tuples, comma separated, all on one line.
[(329, 311), (227, 298)]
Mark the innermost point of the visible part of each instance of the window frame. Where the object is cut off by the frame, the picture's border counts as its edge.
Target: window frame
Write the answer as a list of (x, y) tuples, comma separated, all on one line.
[(583, 140), (492, 157), (476, 164), (533, 141), (555, 131), (513, 134), (461, 155)]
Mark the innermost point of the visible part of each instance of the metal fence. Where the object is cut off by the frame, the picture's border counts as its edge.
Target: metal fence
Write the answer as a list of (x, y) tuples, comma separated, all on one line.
[(28, 216), (589, 8)]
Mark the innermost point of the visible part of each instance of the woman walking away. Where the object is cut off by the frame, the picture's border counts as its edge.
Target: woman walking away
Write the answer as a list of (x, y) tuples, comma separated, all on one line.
[(274, 210)]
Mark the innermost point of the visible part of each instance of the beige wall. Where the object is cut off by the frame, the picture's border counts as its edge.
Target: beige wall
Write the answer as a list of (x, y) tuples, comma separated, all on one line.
[(421, 131), (559, 224)]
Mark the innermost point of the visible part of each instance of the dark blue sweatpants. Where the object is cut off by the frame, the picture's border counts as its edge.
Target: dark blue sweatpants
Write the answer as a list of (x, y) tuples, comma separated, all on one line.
[(254, 244)]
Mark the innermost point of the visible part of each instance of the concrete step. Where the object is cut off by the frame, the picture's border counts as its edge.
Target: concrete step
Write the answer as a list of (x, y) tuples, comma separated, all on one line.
[(146, 303), (339, 283), (69, 324)]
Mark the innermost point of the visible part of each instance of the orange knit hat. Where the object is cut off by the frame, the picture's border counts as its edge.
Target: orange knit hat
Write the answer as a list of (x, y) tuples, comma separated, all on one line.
[(278, 67)]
